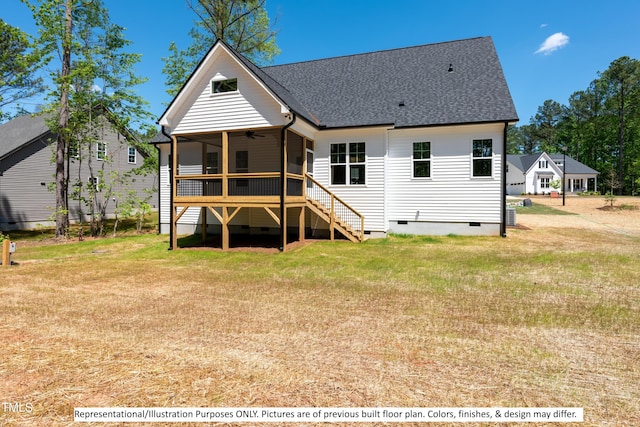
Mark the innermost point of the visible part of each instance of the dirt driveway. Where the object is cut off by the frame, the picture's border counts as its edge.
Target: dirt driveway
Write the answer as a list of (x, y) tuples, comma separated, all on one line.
[(591, 213)]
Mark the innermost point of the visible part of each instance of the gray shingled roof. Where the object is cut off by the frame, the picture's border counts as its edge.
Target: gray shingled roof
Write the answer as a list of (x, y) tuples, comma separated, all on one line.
[(367, 89), (572, 167), (20, 131), (437, 84)]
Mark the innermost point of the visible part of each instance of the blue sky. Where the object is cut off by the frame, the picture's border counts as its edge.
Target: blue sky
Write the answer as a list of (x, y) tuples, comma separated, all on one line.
[(548, 49)]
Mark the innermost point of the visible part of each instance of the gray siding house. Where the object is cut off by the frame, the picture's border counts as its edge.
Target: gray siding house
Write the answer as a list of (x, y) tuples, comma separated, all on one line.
[(27, 171)]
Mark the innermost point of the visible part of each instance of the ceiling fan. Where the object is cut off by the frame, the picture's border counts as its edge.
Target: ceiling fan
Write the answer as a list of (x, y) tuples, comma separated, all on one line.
[(252, 135)]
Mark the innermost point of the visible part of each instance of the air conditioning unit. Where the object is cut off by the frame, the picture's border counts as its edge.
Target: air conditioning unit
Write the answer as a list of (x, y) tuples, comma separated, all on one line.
[(511, 217)]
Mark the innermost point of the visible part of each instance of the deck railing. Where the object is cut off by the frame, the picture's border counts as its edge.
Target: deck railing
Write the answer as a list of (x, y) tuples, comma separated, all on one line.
[(238, 185), (338, 209)]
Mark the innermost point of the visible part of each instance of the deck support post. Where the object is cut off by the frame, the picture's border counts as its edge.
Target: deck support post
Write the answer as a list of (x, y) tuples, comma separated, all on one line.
[(225, 228), (203, 214), (301, 225)]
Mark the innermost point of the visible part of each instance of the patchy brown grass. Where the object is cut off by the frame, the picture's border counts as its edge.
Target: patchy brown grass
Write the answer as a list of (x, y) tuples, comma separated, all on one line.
[(545, 317)]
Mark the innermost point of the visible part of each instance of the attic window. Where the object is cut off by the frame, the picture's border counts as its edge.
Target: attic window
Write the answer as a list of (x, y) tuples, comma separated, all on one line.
[(227, 85)]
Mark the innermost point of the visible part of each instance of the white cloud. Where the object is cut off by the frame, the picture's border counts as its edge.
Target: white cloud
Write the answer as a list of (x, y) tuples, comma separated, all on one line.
[(95, 88), (543, 25), (553, 43)]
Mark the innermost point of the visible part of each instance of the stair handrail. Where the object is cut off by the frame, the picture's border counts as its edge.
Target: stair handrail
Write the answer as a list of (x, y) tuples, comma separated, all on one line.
[(342, 202)]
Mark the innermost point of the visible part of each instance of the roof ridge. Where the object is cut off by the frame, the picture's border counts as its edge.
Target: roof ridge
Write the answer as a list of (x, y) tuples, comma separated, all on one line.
[(375, 51)]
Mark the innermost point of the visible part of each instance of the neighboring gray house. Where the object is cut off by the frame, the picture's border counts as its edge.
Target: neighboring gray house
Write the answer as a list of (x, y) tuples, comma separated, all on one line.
[(534, 173), (409, 140), (26, 171)]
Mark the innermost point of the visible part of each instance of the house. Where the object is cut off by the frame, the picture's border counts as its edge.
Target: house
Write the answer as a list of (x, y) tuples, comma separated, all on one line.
[(408, 140), (26, 171), (535, 173)]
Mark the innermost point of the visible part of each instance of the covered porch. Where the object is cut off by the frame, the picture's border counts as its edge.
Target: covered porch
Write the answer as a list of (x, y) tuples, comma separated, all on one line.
[(252, 179)]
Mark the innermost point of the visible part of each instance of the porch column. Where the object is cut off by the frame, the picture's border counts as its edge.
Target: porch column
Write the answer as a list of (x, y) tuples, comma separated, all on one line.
[(174, 192), (225, 164), (283, 196), (203, 210)]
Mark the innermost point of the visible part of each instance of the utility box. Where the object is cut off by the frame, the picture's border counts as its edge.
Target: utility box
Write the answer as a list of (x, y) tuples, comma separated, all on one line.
[(511, 217)]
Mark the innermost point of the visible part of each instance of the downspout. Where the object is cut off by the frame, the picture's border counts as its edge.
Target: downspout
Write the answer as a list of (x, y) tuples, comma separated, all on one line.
[(283, 180), (503, 187), (170, 190)]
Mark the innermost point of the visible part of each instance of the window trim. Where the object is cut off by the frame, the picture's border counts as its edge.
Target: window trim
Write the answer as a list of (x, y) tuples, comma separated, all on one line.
[(348, 163), (135, 155), (102, 151), (233, 81), (545, 182), (94, 182), (489, 158), (420, 160)]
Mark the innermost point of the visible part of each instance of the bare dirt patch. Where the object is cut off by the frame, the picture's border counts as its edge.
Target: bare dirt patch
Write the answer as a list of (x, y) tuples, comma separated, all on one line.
[(590, 213)]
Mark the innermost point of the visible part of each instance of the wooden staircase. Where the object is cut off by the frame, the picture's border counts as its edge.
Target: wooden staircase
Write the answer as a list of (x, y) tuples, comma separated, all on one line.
[(337, 213)]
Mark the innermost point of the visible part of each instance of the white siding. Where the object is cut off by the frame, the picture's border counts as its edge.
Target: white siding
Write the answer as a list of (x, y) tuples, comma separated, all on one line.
[(535, 173), (368, 199), (250, 107), (515, 180), (451, 194)]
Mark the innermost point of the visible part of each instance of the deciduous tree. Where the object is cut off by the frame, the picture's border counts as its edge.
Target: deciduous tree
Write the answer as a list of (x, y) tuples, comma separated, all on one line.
[(243, 24), (18, 67)]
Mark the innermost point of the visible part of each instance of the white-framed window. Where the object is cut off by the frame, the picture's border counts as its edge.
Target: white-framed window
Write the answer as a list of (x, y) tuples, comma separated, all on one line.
[(349, 157), (222, 86), (74, 153), (421, 159), (131, 154), (543, 164), (482, 157), (544, 182), (101, 151), (93, 183)]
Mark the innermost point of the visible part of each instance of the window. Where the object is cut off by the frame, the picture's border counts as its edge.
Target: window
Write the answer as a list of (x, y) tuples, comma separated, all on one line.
[(221, 86), (422, 159), (132, 155), (73, 151), (544, 182), (482, 157), (543, 164), (352, 160), (101, 151), (93, 184), (212, 162)]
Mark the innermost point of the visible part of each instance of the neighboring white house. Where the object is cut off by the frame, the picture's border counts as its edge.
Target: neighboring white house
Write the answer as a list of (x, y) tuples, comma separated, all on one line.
[(408, 140), (534, 174)]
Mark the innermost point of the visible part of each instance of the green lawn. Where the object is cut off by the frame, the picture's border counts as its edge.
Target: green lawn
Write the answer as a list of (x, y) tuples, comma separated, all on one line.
[(537, 319)]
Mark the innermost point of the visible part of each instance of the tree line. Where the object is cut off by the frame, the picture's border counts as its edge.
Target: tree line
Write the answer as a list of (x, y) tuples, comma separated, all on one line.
[(599, 126)]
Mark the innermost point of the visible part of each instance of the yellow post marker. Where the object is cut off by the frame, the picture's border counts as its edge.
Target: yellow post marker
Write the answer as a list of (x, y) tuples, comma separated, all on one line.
[(6, 258)]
